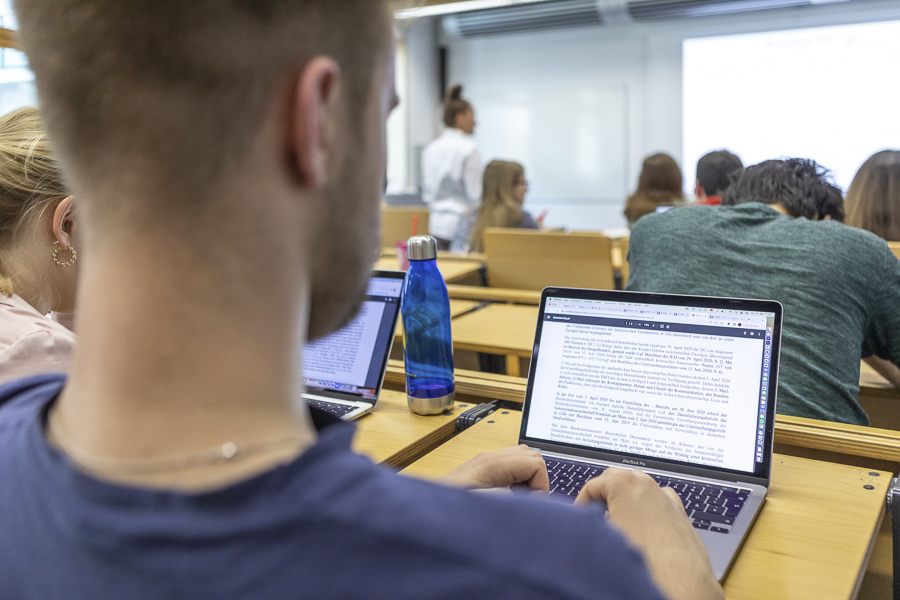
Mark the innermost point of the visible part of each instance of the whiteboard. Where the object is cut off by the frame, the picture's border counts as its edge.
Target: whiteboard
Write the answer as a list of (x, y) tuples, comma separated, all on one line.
[(826, 93), (573, 141)]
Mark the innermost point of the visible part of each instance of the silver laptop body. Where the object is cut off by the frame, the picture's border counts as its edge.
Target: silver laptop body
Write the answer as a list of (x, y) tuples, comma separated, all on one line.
[(681, 387), (343, 373)]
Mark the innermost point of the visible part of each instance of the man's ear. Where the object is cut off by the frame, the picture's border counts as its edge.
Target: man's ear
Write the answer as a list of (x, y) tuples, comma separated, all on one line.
[(64, 222), (310, 141), (698, 190)]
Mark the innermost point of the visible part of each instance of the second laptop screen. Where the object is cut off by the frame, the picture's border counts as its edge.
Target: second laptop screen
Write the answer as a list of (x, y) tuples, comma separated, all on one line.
[(680, 383)]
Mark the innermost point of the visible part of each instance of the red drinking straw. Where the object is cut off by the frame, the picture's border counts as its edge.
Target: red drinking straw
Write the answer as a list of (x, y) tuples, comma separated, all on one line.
[(415, 224)]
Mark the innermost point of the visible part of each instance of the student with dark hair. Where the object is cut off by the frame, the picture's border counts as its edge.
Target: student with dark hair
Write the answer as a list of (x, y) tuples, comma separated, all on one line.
[(715, 172), (230, 180), (778, 236), (658, 185), (452, 170), (800, 187), (873, 200)]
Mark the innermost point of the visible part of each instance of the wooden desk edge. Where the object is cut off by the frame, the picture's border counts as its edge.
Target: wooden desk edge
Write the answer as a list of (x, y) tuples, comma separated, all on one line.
[(410, 454), (856, 440), (872, 541), (488, 294), (483, 385)]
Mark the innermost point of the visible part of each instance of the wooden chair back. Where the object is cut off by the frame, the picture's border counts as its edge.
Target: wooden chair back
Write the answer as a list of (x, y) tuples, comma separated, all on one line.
[(620, 258), (396, 224), (525, 259), (895, 248)]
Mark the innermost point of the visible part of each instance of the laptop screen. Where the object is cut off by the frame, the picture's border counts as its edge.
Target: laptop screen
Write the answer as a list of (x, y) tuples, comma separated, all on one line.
[(679, 382), (352, 361)]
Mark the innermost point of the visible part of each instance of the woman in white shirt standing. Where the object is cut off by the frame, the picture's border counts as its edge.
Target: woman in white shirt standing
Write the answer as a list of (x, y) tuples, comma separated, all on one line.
[(451, 170)]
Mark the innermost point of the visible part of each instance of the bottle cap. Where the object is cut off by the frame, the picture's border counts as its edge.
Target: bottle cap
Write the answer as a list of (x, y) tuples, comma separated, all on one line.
[(421, 247)]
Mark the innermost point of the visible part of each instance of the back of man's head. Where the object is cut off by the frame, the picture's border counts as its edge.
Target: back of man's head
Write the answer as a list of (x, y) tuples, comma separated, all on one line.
[(800, 186), (176, 123), (169, 95), (717, 170)]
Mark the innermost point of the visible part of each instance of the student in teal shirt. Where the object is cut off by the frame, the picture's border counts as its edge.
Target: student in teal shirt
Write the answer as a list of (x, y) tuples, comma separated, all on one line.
[(778, 236)]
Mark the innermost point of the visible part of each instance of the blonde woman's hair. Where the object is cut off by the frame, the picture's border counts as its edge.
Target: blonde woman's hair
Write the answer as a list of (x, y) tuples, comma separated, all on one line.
[(873, 199), (30, 177), (498, 206)]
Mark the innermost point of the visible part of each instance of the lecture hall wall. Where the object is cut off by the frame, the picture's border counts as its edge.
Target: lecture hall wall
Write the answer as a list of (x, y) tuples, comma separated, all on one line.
[(607, 97)]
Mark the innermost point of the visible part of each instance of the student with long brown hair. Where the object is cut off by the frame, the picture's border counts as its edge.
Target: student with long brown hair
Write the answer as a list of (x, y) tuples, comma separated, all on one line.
[(38, 269), (504, 194), (660, 184), (452, 170), (873, 199), (873, 204)]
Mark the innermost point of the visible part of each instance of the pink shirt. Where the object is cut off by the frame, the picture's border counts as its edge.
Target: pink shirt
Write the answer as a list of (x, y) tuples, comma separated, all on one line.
[(31, 343)]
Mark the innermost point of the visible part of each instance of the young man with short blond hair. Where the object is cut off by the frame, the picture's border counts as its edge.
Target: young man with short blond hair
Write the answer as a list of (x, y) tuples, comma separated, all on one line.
[(227, 156)]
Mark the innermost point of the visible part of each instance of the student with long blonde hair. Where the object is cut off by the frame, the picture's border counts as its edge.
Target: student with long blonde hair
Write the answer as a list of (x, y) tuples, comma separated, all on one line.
[(501, 206), (38, 268)]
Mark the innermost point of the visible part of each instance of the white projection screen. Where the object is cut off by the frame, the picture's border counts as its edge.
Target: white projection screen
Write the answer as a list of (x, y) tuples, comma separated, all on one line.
[(827, 93)]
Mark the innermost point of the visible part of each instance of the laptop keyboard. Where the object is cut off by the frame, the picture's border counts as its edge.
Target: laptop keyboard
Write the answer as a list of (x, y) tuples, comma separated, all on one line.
[(338, 410), (710, 507)]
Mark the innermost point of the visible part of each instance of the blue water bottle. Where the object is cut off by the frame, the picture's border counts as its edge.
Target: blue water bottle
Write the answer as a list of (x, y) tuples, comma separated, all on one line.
[(427, 342)]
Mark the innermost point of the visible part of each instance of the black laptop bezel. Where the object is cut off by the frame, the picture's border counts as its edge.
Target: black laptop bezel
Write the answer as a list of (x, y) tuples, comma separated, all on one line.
[(762, 472), (330, 394)]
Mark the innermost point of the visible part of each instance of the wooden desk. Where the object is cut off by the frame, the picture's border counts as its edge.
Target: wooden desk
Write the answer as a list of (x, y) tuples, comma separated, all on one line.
[(811, 540), (474, 386), (487, 294), (457, 308), (479, 256), (453, 269), (392, 435), (498, 329)]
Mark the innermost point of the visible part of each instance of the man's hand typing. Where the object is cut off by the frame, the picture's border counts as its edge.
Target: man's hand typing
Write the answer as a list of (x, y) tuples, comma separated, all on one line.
[(510, 466), (654, 521)]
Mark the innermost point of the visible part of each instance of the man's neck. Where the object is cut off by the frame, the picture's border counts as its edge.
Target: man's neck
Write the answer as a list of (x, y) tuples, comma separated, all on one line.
[(204, 363)]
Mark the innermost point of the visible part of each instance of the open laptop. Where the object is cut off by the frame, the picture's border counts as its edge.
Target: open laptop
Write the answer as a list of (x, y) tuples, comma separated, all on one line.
[(343, 372), (682, 387)]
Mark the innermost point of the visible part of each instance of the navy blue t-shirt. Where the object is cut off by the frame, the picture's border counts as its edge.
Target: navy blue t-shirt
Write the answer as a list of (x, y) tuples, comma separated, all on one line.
[(329, 525)]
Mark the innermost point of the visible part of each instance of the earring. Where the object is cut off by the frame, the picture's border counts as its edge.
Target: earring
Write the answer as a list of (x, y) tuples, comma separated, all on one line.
[(64, 264)]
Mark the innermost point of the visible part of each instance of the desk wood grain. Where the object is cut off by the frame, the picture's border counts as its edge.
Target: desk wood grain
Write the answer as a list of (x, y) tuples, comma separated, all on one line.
[(488, 294), (453, 269), (483, 387), (498, 329), (812, 539), (392, 435), (479, 256), (457, 308)]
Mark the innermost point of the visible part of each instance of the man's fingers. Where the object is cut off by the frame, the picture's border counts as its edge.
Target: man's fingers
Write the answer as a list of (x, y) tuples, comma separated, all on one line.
[(599, 488), (526, 466), (674, 498)]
